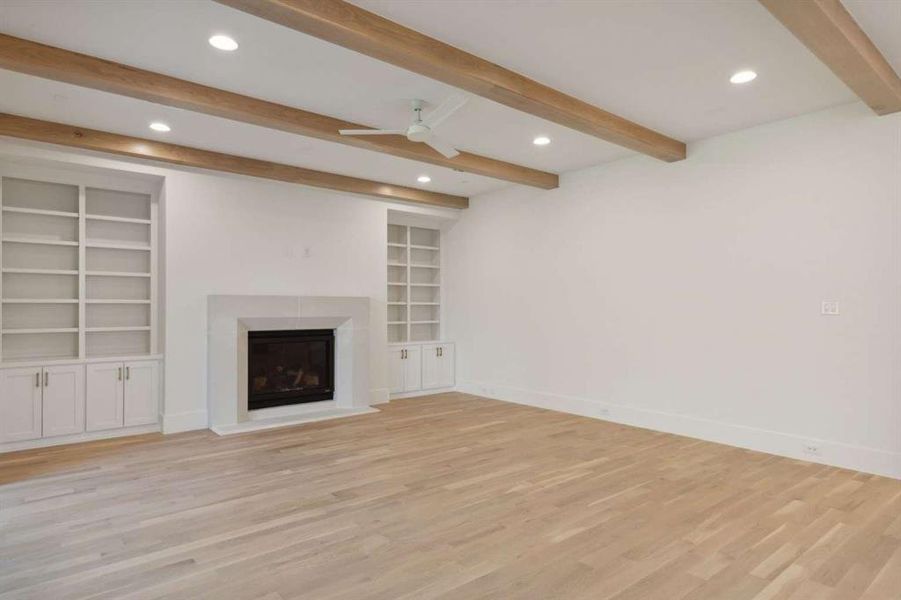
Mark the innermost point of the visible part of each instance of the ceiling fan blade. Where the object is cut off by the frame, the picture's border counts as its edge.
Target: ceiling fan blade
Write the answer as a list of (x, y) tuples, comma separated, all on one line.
[(372, 131), (445, 109), (443, 147)]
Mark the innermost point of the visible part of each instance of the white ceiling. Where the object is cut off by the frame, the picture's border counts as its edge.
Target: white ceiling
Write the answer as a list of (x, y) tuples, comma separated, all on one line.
[(662, 63)]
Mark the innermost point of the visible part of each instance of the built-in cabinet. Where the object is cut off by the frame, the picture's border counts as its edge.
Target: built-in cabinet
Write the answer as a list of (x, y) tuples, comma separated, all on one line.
[(78, 302), (58, 400), (38, 402), (437, 366), (416, 367), (20, 404), (122, 394), (62, 404), (405, 368)]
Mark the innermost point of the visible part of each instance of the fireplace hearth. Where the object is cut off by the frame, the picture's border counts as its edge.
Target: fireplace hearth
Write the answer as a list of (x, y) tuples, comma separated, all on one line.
[(290, 367)]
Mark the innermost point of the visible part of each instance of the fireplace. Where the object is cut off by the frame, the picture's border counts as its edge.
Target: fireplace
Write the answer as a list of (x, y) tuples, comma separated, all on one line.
[(290, 367)]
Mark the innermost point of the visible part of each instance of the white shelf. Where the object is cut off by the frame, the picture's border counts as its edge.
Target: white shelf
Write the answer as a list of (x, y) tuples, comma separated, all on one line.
[(115, 274), (114, 246), (26, 240), (41, 271), (38, 211), (40, 330), (414, 309), (79, 270), (40, 300), (117, 219), (114, 301)]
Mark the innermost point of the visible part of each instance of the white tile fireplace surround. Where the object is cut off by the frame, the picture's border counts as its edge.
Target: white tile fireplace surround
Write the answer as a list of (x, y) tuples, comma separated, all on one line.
[(230, 318)]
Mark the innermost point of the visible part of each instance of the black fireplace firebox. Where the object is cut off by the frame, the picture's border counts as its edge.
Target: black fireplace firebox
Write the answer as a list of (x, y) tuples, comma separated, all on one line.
[(290, 367)]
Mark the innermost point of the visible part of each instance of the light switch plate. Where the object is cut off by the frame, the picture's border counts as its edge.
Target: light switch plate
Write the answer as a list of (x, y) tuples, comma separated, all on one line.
[(830, 307)]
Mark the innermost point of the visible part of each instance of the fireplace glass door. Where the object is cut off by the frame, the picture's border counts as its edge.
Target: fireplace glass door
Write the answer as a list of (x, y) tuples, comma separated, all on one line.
[(290, 367)]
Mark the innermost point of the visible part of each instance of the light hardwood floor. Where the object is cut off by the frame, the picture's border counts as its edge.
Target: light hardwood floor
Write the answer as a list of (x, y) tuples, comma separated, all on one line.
[(449, 496)]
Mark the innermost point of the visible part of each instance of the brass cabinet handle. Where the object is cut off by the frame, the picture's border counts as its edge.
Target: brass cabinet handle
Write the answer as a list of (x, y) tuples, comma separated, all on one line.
[(437, 351), (120, 373), (127, 372), (46, 378), (37, 379), (403, 354)]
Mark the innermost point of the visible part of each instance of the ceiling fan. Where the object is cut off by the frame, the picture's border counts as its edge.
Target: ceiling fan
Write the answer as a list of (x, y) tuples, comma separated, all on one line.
[(422, 130)]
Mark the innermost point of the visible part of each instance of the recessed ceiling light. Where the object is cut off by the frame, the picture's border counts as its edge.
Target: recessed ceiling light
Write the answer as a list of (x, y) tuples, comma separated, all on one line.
[(223, 42), (541, 140), (743, 77), (157, 126), (423, 179)]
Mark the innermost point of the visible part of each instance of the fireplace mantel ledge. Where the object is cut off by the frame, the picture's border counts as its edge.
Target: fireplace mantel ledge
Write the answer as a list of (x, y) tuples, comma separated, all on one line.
[(273, 422)]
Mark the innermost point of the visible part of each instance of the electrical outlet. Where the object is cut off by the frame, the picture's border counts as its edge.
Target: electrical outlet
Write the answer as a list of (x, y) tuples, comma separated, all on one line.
[(829, 307), (811, 448), (603, 412)]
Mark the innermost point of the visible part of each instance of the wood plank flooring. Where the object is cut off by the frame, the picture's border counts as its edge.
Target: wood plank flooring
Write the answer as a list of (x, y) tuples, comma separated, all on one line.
[(448, 496)]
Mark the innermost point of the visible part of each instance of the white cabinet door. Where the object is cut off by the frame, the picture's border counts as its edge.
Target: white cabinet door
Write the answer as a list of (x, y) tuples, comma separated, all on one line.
[(63, 407), (413, 368), (20, 404), (142, 392), (431, 366), (437, 366), (396, 365), (445, 365), (104, 396)]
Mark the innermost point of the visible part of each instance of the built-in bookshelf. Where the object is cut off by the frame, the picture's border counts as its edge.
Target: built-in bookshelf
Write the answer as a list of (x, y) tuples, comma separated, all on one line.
[(79, 267), (414, 284)]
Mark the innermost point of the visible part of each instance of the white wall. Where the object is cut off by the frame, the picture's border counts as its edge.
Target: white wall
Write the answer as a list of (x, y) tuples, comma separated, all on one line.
[(686, 297), (226, 234)]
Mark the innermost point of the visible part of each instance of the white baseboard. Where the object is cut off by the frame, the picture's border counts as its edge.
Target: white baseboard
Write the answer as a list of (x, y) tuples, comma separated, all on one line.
[(88, 436), (838, 454), (185, 421), (418, 393)]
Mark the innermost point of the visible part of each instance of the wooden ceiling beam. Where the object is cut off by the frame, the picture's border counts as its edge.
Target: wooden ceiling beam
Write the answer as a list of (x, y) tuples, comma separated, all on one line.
[(831, 33), (352, 27), (32, 58), (102, 141)]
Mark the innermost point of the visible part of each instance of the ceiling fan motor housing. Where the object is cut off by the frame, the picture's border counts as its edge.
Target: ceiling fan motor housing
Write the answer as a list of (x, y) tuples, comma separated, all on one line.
[(418, 132)]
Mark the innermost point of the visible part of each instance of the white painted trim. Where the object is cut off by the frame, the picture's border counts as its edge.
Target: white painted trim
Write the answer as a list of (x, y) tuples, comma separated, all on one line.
[(78, 438), (429, 392), (838, 454), (185, 421), (78, 361)]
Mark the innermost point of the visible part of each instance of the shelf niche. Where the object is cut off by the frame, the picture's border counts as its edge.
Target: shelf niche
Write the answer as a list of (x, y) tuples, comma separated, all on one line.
[(414, 284), (78, 269)]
